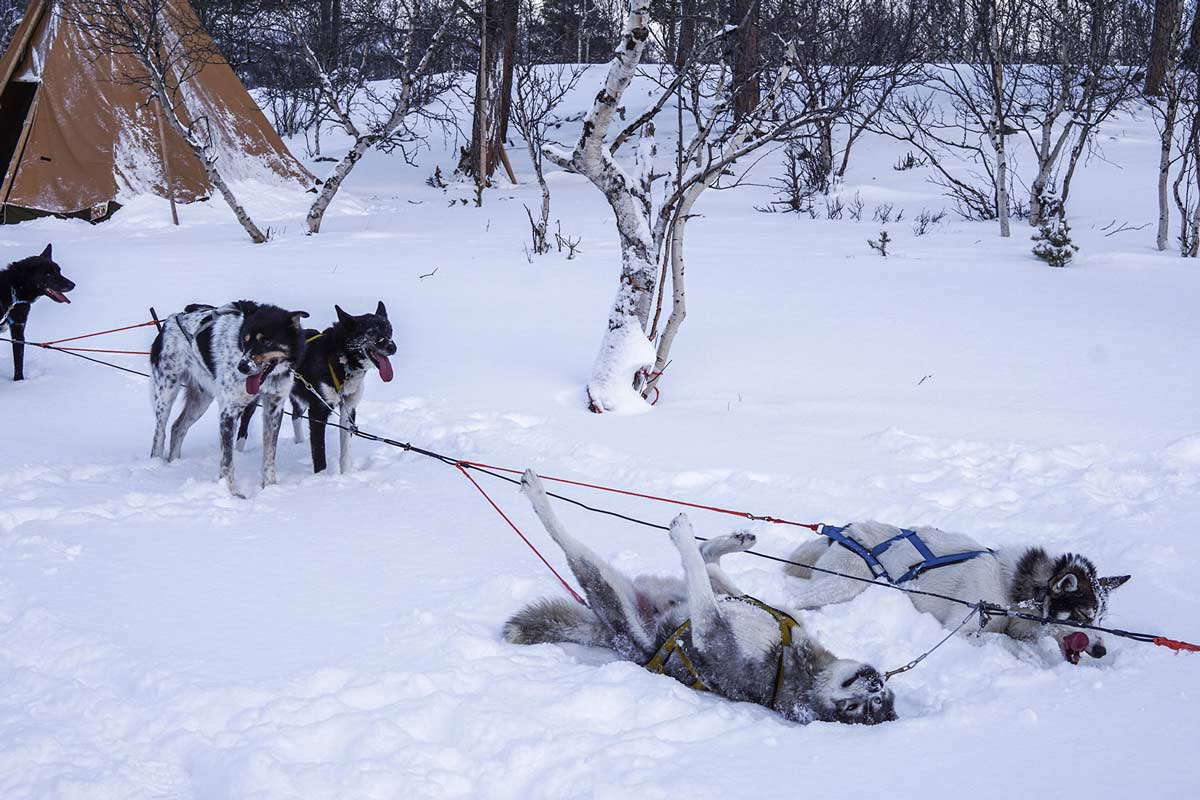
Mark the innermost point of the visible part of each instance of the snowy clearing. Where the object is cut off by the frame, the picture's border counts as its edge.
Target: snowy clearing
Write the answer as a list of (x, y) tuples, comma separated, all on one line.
[(338, 636)]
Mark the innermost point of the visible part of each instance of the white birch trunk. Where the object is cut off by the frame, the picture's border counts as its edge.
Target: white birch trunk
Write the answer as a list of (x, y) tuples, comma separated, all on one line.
[(316, 212), (625, 352), (998, 132), (171, 113), (1164, 166), (362, 142)]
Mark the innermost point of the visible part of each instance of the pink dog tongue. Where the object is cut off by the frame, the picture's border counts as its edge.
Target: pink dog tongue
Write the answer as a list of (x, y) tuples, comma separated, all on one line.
[(1077, 642), (385, 366), (254, 383)]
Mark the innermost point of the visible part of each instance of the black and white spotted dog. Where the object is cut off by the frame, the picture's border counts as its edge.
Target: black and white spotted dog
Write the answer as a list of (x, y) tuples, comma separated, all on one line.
[(237, 353), (21, 283), (332, 376)]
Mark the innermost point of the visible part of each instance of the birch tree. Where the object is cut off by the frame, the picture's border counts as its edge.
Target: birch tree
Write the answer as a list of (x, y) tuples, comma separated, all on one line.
[(387, 114), (1072, 94), (971, 110), (652, 204), (1174, 109)]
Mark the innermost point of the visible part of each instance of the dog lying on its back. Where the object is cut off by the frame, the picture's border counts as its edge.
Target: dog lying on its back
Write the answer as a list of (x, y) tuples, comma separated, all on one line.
[(1065, 587), (236, 354), (21, 283), (334, 368), (726, 642)]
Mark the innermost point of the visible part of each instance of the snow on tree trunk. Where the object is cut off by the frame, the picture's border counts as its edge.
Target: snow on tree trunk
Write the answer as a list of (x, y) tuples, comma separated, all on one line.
[(625, 351)]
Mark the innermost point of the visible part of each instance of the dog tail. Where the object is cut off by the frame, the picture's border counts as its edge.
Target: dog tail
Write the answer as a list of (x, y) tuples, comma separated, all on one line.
[(807, 553), (556, 620)]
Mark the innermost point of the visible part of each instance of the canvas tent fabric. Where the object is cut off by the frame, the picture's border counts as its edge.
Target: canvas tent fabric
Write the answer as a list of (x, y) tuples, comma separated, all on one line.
[(77, 136)]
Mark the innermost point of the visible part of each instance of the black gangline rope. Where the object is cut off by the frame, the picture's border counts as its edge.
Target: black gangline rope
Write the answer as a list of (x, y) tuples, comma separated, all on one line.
[(984, 608)]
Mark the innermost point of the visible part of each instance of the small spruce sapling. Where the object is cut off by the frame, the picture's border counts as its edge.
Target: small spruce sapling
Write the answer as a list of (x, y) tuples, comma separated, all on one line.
[(1052, 242), (881, 244)]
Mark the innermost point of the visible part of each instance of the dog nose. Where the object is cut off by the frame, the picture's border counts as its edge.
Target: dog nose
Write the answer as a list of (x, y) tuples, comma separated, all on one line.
[(1098, 651), (244, 367)]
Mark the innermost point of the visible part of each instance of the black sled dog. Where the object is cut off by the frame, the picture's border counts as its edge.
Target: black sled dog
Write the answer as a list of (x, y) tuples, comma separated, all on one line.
[(21, 283), (332, 376), (236, 353)]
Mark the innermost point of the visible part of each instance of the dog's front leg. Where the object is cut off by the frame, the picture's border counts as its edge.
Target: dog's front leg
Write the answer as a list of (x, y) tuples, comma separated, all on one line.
[(344, 435), (228, 427), (702, 601), (16, 327), (317, 415), (297, 421), (272, 421), (244, 425)]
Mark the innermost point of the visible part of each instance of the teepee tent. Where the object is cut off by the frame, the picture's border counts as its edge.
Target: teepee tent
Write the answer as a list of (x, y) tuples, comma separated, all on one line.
[(77, 135)]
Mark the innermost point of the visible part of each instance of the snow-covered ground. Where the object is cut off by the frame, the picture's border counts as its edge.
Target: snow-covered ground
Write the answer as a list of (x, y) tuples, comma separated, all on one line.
[(338, 636)]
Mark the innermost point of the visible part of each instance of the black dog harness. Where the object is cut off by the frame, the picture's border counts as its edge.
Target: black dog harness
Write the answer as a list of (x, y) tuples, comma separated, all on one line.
[(878, 570), (4, 320)]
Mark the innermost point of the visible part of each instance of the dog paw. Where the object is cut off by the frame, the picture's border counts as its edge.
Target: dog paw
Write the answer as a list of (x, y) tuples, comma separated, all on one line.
[(745, 539), (240, 445)]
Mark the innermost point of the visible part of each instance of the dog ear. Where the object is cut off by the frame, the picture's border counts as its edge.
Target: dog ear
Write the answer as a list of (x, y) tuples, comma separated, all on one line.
[(1064, 584), (46, 252), (1113, 581), (297, 316), (343, 317), (381, 310)]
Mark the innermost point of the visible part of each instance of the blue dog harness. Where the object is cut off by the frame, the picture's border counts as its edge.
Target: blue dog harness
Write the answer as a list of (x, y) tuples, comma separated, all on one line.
[(878, 570)]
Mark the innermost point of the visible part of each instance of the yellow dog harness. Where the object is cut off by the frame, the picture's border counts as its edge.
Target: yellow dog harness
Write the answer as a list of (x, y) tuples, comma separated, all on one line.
[(674, 646)]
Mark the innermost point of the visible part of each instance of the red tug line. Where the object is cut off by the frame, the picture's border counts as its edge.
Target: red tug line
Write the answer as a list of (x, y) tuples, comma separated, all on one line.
[(463, 466)]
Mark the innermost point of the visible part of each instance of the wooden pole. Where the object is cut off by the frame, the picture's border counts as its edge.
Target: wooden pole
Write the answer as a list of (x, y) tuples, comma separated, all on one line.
[(512, 176), (166, 165)]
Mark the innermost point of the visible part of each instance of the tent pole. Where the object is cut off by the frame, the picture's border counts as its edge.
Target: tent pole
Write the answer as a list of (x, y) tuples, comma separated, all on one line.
[(14, 166), (166, 166), (512, 176)]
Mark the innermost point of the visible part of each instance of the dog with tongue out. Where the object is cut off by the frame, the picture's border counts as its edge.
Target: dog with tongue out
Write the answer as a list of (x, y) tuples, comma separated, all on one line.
[(239, 354), (332, 376), (21, 283)]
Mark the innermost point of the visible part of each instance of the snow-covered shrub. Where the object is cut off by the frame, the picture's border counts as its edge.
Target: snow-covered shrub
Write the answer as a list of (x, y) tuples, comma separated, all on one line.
[(1052, 242)]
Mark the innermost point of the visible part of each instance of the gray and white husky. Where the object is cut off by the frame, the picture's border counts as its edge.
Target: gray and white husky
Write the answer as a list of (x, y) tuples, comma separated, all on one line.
[(235, 353), (1064, 587), (734, 645)]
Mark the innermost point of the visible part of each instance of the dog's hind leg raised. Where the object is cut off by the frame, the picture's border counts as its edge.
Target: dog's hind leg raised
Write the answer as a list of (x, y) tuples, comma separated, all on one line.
[(610, 594), (822, 589)]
